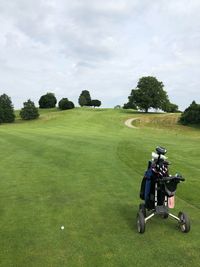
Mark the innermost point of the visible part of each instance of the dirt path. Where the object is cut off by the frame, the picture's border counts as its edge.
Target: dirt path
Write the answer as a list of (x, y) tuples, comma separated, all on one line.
[(128, 123)]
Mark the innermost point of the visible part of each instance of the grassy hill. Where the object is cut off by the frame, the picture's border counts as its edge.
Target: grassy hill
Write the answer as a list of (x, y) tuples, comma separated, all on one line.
[(82, 168)]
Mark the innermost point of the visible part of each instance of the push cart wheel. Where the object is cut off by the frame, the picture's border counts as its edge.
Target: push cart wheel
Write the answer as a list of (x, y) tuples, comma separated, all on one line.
[(140, 222), (142, 209), (184, 222)]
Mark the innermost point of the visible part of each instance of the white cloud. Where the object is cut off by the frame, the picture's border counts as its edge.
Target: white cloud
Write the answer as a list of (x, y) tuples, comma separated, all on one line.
[(102, 46)]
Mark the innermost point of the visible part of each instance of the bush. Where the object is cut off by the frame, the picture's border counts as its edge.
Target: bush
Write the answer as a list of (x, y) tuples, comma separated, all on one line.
[(117, 107), (64, 104), (29, 111), (6, 109), (129, 105), (191, 115), (95, 103), (48, 101)]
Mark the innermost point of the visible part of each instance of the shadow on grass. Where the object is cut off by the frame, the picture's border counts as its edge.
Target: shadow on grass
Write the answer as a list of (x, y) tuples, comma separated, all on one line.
[(130, 111), (191, 126), (129, 214)]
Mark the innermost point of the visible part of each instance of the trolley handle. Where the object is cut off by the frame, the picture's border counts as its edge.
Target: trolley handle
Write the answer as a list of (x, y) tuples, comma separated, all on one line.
[(166, 179)]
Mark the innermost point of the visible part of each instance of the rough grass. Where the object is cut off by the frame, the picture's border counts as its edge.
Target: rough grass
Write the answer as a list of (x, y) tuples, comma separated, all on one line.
[(82, 169)]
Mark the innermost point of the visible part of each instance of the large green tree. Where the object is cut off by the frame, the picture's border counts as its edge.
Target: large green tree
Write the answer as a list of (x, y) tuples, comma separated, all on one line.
[(48, 101), (29, 111), (149, 93), (6, 109), (84, 98)]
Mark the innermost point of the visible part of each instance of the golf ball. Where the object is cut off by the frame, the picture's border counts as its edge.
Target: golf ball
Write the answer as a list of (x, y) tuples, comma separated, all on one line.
[(62, 227)]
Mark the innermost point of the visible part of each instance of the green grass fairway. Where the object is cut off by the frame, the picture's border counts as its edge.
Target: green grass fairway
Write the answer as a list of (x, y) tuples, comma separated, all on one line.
[(82, 168)]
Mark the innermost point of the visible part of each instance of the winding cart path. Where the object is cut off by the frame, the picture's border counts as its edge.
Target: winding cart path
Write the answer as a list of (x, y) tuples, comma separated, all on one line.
[(128, 123)]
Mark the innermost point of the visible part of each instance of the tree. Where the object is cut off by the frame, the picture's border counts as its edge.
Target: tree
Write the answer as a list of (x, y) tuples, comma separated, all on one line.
[(29, 111), (95, 103), (191, 115), (170, 107), (71, 105), (82, 101), (148, 94), (64, 103), (48, 101), (6, 109), (84, 98), (129, 105)]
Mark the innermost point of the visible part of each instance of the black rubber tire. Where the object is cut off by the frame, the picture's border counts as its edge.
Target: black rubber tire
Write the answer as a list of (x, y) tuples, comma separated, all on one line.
[(140, 222), (142, 209), (184, 222)]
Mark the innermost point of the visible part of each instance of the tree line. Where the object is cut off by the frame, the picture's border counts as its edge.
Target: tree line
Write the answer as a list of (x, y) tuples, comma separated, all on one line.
[(29, 111), (149, 93)]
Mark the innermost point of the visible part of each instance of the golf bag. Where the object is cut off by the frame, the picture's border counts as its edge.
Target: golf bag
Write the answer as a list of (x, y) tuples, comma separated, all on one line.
[(157, 190)]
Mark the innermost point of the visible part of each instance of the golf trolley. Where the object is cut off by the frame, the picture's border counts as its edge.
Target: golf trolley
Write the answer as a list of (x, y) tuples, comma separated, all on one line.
[(157, 190)]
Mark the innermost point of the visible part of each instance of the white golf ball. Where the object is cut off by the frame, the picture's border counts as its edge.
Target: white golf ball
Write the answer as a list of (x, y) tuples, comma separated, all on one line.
[(62, 227)]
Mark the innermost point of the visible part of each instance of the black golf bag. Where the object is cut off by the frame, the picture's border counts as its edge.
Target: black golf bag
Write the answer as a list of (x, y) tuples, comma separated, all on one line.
[(157, 187)]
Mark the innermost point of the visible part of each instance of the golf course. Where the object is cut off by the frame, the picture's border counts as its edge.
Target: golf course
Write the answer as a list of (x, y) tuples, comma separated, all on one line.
[(82, 169)]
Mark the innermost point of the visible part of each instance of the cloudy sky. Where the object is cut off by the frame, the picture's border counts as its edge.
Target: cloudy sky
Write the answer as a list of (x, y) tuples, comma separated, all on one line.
[(103, 46)]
